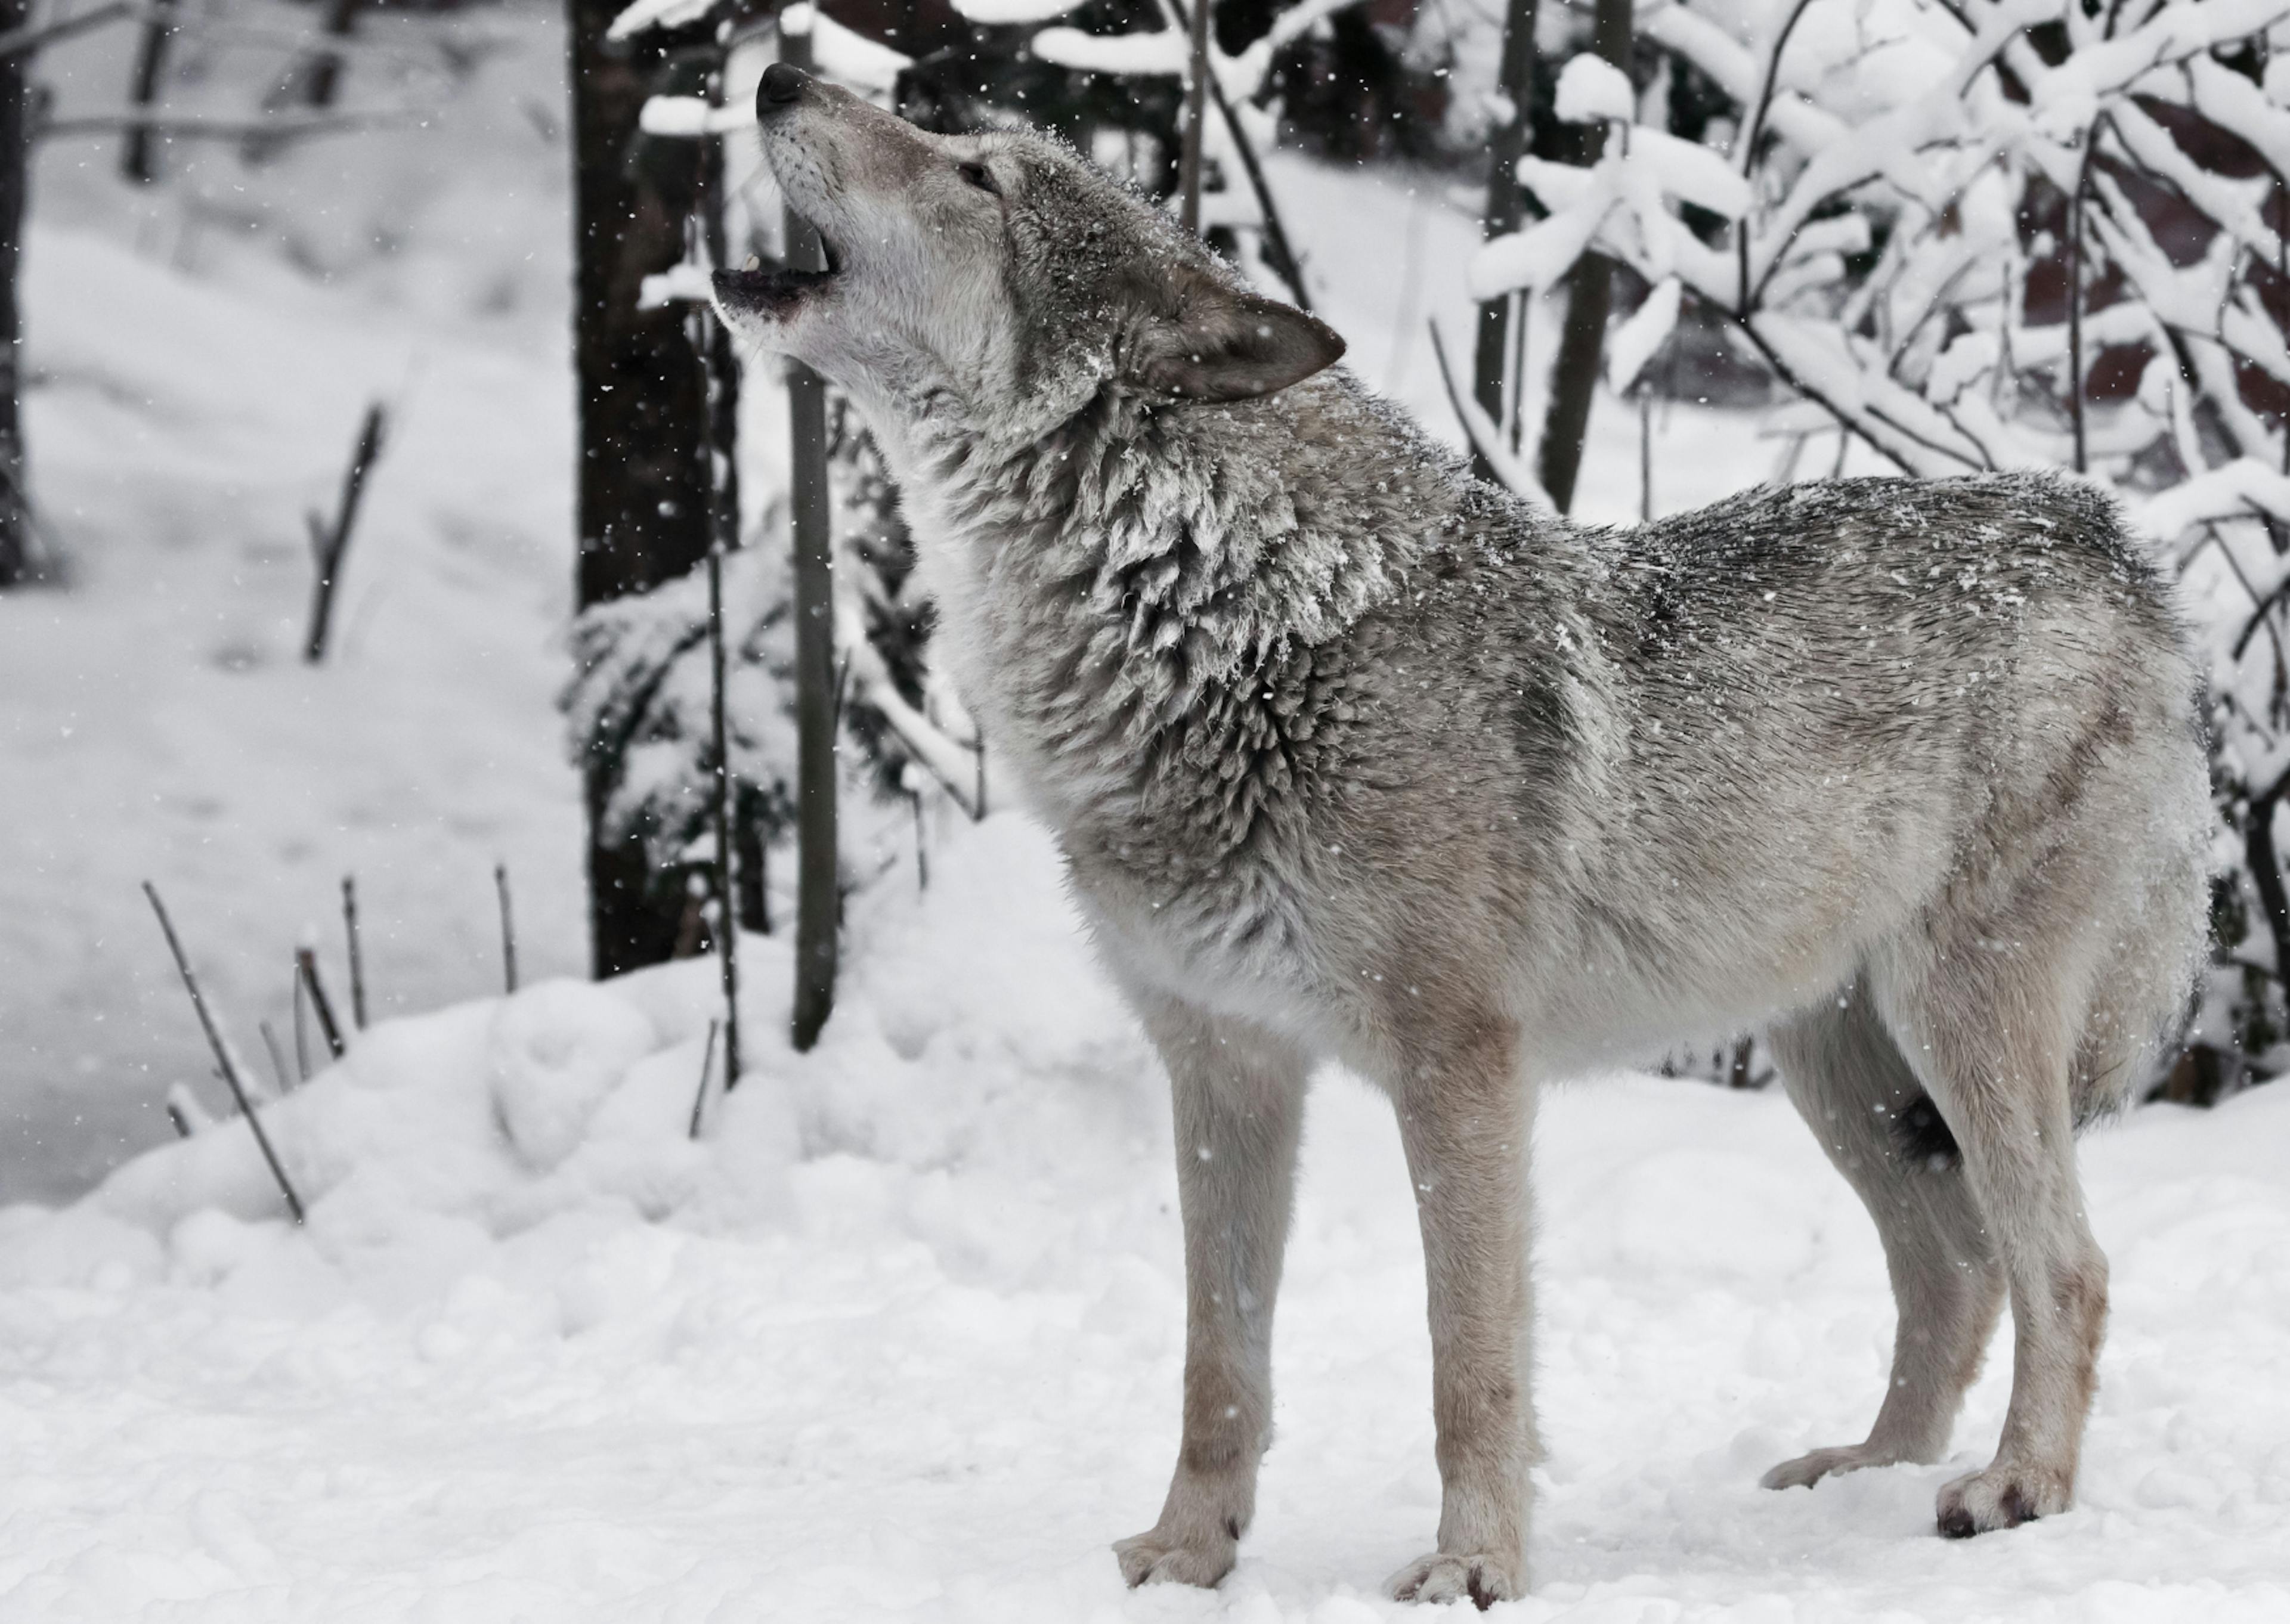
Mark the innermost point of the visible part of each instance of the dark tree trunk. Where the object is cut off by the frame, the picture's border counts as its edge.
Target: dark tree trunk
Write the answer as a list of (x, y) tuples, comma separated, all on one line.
[(1589, 299), (1506, 208), (2264, 864), (644, 485), (15, 180)]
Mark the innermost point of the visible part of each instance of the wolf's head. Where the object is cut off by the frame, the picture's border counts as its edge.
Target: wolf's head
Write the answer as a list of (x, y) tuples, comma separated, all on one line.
[(995, 274)]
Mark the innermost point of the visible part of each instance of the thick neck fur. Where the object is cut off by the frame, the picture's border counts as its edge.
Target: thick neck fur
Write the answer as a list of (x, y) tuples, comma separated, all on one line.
[(1152, 579)]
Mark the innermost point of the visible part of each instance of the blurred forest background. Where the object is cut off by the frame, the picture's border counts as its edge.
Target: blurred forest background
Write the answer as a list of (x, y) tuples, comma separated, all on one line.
[(364, 441)]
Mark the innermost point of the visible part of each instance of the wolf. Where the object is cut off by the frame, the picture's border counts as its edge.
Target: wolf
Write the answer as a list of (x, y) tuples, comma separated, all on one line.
[(1352, 757)]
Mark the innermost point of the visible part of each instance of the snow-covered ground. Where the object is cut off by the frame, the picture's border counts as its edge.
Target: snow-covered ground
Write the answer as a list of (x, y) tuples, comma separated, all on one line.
[(200, 354), (899, 1338)]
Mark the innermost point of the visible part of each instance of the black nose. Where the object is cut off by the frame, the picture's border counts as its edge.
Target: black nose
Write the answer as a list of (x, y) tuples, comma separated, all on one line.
[(782, 87)]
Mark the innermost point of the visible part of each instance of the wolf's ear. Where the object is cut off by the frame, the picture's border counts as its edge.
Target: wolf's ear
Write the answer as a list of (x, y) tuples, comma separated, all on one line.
[(1227, 343)]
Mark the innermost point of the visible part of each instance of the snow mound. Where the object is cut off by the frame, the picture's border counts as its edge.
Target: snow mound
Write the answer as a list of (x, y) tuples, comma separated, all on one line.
[(578, 1097), (901, 1334)]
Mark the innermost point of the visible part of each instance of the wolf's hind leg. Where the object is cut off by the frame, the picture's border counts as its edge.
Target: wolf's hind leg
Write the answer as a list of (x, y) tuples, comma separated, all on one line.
[(1238, 1092), (1985, 1019), (1858, 1094)]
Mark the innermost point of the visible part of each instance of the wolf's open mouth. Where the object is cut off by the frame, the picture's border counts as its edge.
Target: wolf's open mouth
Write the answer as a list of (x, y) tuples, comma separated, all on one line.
[(777, 290)]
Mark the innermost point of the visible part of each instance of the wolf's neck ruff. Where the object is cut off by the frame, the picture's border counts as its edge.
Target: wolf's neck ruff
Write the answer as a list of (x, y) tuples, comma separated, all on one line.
[(1142, 579)]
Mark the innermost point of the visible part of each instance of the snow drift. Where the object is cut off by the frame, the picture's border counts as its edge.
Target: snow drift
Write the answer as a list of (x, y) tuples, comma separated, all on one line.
[(900, 1336)]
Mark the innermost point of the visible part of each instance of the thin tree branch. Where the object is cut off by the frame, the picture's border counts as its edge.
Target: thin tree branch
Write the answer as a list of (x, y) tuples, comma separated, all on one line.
[(184, 126), (222, 1054), (20, 42)]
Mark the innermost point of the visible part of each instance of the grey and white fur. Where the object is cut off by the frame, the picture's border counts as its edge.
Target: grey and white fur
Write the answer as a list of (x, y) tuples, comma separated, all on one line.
[(1354, 758)]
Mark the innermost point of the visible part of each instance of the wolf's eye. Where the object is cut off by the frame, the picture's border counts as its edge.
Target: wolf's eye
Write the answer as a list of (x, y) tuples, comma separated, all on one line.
[(979, 176)]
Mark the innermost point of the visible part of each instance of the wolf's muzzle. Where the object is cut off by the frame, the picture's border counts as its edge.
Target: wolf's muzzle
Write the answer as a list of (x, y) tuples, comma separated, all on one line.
[(782, 88)]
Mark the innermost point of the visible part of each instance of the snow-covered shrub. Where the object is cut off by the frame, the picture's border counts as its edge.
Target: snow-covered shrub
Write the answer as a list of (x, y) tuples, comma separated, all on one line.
[(1995, 234), (875, 589), (640, 702)]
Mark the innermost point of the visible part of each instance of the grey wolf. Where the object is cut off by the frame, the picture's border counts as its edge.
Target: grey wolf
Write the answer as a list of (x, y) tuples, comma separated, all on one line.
[(1352, 757)]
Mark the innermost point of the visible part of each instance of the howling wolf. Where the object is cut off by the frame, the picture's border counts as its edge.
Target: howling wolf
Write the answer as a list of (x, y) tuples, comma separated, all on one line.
[(1353, 757)]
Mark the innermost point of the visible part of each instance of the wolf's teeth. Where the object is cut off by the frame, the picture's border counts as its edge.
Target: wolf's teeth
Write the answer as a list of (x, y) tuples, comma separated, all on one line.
[(755, 262)]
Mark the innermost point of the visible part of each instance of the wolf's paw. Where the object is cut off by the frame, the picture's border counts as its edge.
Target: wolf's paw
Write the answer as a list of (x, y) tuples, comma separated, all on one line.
[(2001, 1496), (1156, 1558), (1441, 1577), (1809, 1470)]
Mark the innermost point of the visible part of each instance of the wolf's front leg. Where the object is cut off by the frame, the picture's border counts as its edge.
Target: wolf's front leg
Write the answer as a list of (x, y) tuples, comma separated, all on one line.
[(1240, 1098), (1466, 1118)]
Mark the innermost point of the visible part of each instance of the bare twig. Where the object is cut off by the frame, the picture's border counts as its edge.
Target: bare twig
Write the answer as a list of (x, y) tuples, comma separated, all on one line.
[(706, 1065), (143, 88), (1772, 81), (1486, 439), (277, 1057), (328, 544), (189, 126), (306, 963), (324, 69), (2075, 290), (922, 847), (727, 923), (301, 1027), (508, 928), (222, 1054), (357, 958), (20, 42)]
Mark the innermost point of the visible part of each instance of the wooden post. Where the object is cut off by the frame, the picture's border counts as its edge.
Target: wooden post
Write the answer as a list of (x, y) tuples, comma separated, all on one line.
[(1197, 99), (727, 913), (819, 902)]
